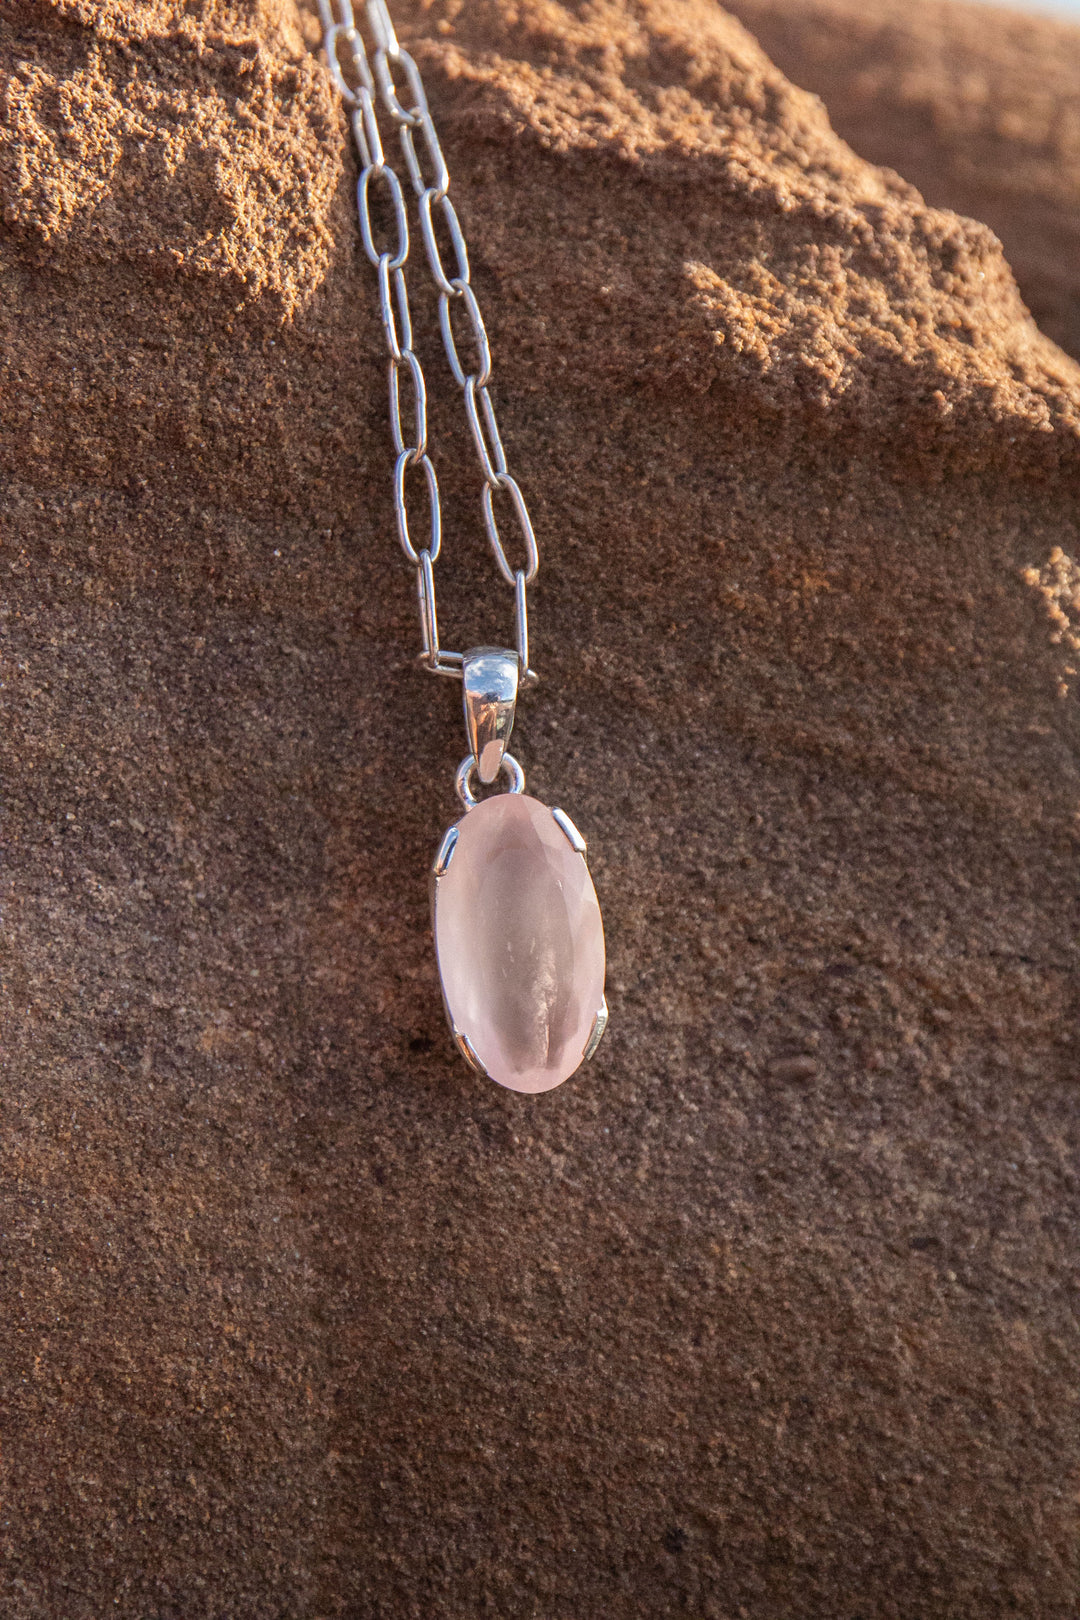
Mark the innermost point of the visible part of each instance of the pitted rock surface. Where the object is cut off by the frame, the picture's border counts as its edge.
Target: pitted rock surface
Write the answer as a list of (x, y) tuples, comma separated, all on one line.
[(978, 105), (771, 1311)]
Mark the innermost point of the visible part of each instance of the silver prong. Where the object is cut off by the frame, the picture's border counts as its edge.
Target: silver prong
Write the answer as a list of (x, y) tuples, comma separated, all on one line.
[(446, 850), (570, 830), (464, 1046), (596, 1033)]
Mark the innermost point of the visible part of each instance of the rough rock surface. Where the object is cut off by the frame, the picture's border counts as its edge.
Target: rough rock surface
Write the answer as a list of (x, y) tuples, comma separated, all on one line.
[(772, 1311), (977, 106)]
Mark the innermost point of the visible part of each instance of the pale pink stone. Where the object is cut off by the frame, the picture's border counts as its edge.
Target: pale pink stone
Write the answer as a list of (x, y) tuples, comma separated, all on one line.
[(520, 943)]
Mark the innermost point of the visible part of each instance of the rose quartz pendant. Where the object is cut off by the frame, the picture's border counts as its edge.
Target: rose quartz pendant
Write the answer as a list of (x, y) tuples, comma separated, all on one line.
[(520, 940)]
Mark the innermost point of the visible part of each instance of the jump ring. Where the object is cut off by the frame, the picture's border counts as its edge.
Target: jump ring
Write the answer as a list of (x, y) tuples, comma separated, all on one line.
[(468, 766)]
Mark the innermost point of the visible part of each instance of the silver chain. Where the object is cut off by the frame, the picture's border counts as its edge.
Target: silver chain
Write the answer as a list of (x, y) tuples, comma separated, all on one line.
[(363, 82)]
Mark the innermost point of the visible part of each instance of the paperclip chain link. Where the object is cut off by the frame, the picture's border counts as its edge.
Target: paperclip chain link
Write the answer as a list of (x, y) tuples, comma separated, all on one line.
[(366, 80)]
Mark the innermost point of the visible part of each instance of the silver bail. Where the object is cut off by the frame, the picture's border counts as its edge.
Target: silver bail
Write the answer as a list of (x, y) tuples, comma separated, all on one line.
[(490, 681)]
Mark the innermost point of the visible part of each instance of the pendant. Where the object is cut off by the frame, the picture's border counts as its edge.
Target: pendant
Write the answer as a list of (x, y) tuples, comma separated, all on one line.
[(518, 932)]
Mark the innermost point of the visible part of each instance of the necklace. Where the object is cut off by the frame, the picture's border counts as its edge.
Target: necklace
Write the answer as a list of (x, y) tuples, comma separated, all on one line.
[(518, 933)]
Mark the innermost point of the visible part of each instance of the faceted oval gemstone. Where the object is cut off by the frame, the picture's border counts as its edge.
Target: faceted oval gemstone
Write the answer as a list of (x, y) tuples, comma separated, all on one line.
[(520, 943)]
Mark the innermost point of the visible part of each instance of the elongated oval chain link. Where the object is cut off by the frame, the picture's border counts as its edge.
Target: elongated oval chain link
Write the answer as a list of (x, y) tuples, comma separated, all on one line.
[(364, 80)]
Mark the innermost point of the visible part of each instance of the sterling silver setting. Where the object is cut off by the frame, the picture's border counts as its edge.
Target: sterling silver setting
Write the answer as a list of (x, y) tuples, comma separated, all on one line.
[(576, 840), (489, 678), (445, 853), (464, 1046), (597, 1033)]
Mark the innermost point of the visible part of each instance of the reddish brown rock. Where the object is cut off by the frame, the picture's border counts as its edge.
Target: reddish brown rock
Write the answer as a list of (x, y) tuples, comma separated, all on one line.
[(771, 1311), (977, 105)]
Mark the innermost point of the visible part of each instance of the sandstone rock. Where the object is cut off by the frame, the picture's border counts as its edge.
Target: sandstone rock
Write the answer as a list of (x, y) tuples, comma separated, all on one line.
[(978, 106), (300, 1317)]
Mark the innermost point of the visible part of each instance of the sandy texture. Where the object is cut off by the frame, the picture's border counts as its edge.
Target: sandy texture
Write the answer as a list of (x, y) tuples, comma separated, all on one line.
[(977, 106), (773, 1311)]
